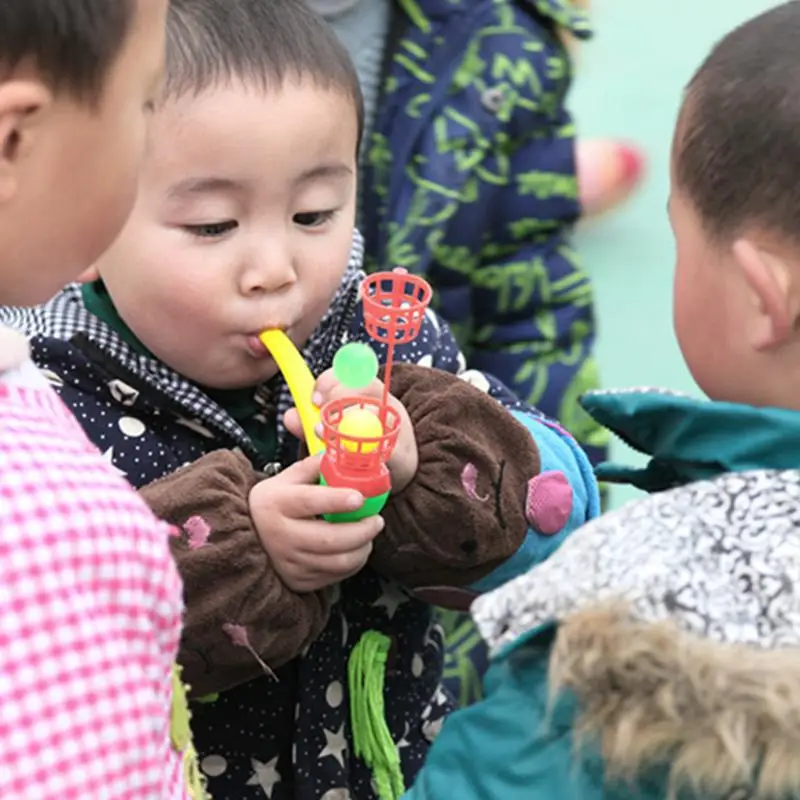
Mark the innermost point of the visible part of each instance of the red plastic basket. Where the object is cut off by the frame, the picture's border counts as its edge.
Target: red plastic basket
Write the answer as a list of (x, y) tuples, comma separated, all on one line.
[(355, 468), (394, 305)]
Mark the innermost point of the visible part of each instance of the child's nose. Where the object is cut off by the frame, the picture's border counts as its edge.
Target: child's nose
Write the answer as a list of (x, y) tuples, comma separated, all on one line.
[(266, 273)]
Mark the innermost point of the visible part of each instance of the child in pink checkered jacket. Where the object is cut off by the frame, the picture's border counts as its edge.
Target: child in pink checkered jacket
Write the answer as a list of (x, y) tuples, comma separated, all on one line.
[(90, 602)]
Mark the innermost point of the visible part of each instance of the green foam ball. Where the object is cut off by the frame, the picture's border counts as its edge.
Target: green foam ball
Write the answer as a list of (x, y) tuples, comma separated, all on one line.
[(355, 365)]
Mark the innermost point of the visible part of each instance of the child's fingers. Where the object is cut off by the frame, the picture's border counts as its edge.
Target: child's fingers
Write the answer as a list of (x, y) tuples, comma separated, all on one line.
[(301, 472), (291, 419), (323, 385), (326, 539), (335, 568), (301, 501), (318, 572), (295, 493), (327, 388)]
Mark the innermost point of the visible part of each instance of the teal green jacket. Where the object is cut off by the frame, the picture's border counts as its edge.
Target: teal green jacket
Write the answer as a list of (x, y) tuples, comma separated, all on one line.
[(659, 647)]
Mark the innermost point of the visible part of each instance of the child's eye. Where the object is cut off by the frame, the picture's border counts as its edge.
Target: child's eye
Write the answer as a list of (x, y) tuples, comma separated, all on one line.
[(313, 219), (211, 230)]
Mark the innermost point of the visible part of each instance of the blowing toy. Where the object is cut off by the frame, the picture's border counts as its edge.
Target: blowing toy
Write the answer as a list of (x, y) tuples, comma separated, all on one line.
[(357, 434)]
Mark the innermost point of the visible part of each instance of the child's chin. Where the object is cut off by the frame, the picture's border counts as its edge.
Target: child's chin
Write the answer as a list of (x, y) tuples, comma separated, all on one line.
[(241, 379)]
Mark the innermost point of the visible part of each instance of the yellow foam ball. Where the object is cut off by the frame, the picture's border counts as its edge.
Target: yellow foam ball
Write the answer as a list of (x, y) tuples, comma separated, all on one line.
[(360, 422)]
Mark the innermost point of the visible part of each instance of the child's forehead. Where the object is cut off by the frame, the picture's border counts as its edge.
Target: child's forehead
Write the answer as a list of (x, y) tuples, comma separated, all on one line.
[(247, 103), (268, 91), (238, 130)]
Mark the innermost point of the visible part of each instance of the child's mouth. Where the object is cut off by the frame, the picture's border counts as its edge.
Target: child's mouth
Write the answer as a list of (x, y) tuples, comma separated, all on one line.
[(256, 347)]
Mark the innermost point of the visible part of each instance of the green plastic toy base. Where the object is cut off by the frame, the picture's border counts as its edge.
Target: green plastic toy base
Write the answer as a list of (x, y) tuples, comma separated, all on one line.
[(372, 506)]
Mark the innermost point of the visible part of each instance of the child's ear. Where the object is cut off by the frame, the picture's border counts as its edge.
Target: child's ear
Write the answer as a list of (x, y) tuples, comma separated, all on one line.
[(774, 293), (21, 104)]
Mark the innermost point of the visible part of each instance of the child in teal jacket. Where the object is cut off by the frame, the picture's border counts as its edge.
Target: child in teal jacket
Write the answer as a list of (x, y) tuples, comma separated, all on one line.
[(656, 654)]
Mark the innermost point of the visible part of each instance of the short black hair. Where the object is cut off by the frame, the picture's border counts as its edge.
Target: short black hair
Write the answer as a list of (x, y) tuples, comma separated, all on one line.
[(263, 42), (737, 146), (73, 43)]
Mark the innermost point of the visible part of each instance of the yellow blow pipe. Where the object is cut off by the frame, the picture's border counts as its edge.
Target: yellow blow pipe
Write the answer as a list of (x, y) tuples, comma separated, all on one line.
[(300, 381)]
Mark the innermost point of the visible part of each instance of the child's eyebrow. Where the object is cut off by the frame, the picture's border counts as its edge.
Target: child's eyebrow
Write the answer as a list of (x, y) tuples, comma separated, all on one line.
[(204, 185), (324, 171)]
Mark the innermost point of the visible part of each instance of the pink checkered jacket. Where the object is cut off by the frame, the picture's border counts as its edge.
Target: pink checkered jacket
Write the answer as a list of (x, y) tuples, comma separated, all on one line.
[(90, 612)]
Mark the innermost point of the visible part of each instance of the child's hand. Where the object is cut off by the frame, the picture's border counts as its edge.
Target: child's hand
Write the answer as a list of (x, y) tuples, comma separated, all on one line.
[(310, 553), (405, 458)]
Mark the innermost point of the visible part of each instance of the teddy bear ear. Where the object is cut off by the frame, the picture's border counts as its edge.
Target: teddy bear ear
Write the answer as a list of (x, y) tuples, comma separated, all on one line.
[(451, 598)]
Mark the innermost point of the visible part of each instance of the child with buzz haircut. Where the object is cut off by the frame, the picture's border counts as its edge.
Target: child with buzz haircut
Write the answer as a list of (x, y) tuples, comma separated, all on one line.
[(90, 600), (657, 654), (244, 221)]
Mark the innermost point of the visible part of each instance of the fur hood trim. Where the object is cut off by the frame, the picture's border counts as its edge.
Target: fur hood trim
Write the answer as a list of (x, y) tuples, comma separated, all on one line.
[(726, 717)]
